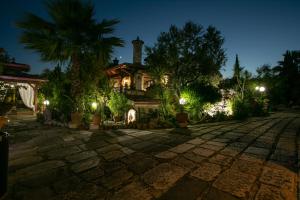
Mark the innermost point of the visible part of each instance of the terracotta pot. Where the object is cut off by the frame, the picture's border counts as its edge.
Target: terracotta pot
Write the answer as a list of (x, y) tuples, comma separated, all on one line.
[(96, 119), (3, 121), (76, 118), (182, 117)]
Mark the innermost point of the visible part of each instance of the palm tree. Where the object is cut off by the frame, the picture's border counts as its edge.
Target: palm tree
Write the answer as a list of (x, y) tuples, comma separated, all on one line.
[(71, 34)]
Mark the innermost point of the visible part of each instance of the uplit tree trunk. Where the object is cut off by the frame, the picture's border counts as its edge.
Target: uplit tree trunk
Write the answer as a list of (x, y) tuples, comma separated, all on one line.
[(76, 90)]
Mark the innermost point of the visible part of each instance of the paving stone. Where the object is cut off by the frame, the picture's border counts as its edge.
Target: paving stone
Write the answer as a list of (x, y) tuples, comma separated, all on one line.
[(203, 152), (269, 192), (86, 192), (142, 145), (215, 194), (64, 185), (207, 171), (194, 157), (111, 166), (238, 145), (221, 159), (235, 182), (109, 148), (33, 176), (155, 148), (113, 155), (196, 141), (140, 133), (96, 144), (281, 178), (21, 153), (180, 191), (127, 150), (251, 158), (263, 144), (163, 176), (208, 136), (211, 147), (247, 167), (23, 162), (92, 174), (142, 165), (222, 140), (257, 151), (41, 167), (184, 162), (215, 143), (60, 153), (35, 194), (129, 142), (166, 155), (81, 156), (133, 191), (182, 148), (85, 165), (230, 151), (39, 178), (116, 179)]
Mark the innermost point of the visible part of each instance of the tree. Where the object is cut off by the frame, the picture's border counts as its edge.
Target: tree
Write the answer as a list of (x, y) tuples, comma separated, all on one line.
[(4, 58), (288, 71), (71, 35), (237, 68), (186, 54)]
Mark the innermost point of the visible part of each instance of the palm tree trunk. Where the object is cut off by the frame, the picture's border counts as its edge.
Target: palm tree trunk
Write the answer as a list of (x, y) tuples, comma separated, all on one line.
[(75, 80)]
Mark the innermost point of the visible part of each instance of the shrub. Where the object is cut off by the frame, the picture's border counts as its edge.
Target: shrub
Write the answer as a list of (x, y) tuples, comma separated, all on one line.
[(240, 108), (118, 104)]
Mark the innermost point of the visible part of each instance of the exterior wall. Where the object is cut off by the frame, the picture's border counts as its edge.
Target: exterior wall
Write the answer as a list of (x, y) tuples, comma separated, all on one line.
[(139, 79)]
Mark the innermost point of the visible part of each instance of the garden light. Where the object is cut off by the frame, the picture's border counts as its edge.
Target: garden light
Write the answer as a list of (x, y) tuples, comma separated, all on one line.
[(182, 101), (46, 102), (262, 89), (131, 115), (94, 105)]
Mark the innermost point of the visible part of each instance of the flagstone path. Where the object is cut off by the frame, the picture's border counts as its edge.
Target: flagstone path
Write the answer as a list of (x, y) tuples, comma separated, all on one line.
[(257, 159)]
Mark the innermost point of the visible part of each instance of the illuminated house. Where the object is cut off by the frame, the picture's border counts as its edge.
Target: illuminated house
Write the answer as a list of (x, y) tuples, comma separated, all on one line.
[(133, 80), (23, 88)]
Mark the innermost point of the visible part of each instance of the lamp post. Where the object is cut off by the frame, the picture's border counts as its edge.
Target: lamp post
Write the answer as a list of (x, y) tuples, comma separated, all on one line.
[(182, 117), (94, 105), (46, 103)]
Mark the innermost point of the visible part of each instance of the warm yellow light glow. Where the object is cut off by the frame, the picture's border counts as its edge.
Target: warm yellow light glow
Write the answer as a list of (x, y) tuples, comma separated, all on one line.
[(94, 105), (131, 115), (165, 79), (126, 82), (262, 89), (182, 101), (257, 88), (46, 102)]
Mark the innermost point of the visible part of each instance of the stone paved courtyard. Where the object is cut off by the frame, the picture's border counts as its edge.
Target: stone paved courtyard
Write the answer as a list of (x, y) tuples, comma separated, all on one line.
[(254, 159)]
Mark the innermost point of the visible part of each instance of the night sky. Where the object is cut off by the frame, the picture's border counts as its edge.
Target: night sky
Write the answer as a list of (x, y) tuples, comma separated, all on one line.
[(258, 31)]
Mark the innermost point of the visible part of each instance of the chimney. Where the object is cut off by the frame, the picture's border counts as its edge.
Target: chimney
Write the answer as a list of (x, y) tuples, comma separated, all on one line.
[(137, 50), (115, 61)]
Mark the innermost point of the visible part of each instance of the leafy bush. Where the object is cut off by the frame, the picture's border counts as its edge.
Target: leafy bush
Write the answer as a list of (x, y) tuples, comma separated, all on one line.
[(197, 95), (118, 104), (240, 108)]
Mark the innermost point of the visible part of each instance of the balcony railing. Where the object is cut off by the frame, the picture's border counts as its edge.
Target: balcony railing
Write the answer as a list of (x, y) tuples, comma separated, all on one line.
[(129, 91)]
